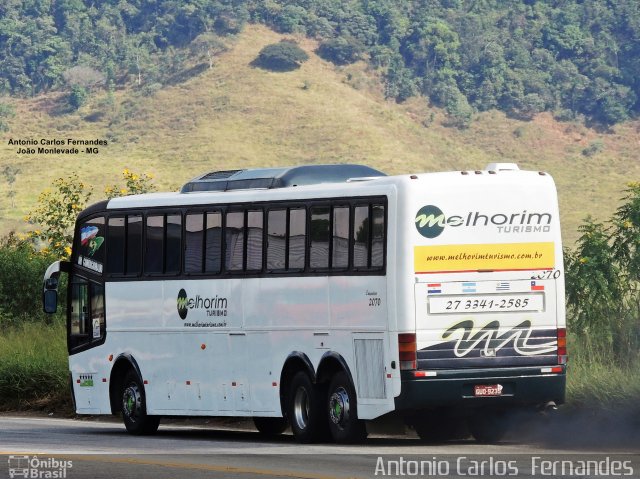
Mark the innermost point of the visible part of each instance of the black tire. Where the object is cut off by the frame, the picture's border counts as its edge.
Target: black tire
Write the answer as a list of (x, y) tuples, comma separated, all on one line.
[(134, 407), (488, 426), (342, 411), (270, 426), (437, 427), (305, 411)]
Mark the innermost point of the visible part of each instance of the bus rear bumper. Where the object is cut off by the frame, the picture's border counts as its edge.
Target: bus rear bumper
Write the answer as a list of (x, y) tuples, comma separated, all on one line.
[(519, 387)]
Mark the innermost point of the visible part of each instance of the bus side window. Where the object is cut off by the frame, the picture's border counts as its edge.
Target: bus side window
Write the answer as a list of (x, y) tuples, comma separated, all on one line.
[(319, 248), (154, 244), (134, 245), (213, 241), (340, 250), (377, 232), (115, 249), (297, 238), (97, 311), (79, 308), (276, 239), (254, 240), (173, 247), (361, 237), (87, 321), (234, 241), (194, 243)]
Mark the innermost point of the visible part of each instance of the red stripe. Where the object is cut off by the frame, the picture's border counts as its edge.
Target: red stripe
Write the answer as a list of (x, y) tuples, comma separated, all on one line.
[(434, 285)]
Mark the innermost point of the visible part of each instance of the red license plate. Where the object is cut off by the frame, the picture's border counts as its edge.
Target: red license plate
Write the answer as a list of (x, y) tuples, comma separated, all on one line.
[(482, 390)]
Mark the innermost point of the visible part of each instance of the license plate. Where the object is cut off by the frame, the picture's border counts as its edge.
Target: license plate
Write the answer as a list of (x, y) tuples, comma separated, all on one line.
[(482, 390)]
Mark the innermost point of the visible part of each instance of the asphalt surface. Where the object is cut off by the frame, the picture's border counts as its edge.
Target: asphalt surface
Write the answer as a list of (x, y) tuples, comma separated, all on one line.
[(103, 449)]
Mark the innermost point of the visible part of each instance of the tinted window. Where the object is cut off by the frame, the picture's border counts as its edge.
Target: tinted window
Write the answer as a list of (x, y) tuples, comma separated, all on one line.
[(297, 238), (154, 249), (234, 241), (194, 243), (377, 233), (276, 239), (340, 246), (134, 244), (174, 244), (213, 258), (319, 225), (91, 248), (116, 241), (254, 240), (361, 237)]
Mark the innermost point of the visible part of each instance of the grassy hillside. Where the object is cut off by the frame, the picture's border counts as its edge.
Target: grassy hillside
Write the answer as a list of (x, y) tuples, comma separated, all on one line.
[(235, 116)]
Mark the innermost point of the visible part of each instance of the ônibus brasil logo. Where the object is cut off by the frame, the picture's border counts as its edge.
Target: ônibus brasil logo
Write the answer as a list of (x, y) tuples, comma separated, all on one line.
[(215, 306), (430, 221)]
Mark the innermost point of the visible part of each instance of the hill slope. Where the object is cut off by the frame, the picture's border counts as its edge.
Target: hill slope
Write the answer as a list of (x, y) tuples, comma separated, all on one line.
[(236, 116)]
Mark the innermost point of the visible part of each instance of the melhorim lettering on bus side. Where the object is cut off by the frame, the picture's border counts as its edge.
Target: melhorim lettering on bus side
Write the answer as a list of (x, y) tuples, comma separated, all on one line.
[(214, 306), (431, 221)]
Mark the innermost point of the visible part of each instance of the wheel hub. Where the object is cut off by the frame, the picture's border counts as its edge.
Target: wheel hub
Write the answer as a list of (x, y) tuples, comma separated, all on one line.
[(301, 408), (339, 407), (131, 402)]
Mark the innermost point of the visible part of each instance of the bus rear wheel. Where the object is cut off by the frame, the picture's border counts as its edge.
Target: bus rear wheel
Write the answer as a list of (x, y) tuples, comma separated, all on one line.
[(488, 426), (342, 411), (270, 426), (308, 423), (134, 408)]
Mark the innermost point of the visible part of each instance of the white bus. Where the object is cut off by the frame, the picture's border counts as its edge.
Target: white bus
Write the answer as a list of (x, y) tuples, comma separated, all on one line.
[(326, 297)]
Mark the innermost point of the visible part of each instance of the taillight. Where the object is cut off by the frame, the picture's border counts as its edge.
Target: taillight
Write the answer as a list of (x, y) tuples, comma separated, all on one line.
[(407, 348), (562, 346)]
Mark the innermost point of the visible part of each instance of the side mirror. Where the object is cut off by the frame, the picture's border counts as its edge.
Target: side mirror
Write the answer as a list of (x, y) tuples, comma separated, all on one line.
[(50, 301)]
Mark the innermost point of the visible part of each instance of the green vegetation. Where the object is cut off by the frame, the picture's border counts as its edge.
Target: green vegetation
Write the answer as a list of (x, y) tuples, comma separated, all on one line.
[(603, 300), (577, 58), (284, 56), (34, 370)]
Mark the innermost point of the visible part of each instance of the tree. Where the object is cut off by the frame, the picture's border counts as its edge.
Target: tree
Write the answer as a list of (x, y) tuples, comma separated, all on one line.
[(6, 112), (10, 173), (78, 96), (84, 76), (283, 56), (56, 213), (340, 51), (134, 184)]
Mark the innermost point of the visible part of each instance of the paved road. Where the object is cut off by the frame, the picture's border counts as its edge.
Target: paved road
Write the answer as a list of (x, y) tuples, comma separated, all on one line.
[(103, 450)]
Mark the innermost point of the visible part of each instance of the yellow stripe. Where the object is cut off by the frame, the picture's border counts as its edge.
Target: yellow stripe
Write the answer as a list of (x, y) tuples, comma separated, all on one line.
[(474, 257)]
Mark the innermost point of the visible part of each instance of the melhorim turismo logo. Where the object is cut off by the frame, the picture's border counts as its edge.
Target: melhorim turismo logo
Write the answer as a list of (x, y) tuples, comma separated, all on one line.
[(35, 467), (215, 306), (431, 221)]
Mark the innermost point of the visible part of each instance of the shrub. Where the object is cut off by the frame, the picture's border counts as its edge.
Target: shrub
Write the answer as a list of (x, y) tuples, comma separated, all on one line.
[(595, 147), (283, 56), (78, 96), (340, 51), (21, 273)]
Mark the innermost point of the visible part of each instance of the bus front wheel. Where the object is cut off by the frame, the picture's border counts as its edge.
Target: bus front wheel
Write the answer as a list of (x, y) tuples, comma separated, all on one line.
[(134, 408), (305, 409), (342, 411)]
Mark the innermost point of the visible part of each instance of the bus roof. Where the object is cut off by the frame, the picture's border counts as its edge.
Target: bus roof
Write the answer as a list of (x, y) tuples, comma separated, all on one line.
[(371, 185)]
